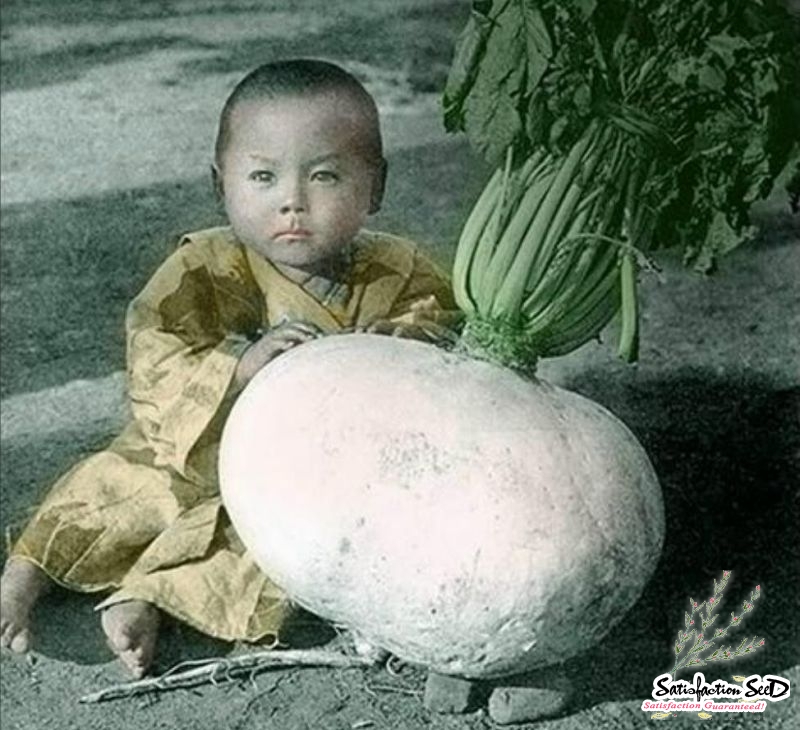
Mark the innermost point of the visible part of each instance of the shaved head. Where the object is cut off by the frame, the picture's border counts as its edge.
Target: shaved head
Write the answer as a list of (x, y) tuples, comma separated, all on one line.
[(303, 77)]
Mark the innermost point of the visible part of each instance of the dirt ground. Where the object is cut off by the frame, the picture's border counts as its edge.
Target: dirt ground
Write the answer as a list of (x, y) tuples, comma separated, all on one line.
[(108, 113)]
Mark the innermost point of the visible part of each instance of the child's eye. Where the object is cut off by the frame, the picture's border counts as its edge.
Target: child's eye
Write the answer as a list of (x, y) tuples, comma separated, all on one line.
[(262, 176), (324, 176)]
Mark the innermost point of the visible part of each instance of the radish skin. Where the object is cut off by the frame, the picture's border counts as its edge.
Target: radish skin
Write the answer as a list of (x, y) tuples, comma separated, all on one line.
[(447, 509)]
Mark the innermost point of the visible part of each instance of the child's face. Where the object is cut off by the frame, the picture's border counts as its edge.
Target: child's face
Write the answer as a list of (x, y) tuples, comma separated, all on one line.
[(295, 181)]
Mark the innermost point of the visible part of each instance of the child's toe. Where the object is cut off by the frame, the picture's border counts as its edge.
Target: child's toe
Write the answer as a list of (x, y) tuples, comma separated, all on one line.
[(21, 641), (133, 662), (15, 636)]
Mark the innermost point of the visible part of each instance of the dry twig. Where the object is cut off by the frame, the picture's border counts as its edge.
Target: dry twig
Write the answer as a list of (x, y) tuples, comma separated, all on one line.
[(373, 689), (225, 669)]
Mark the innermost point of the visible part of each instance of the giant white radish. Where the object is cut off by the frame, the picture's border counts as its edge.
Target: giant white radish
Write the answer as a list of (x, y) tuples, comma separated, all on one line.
[(449, 510)]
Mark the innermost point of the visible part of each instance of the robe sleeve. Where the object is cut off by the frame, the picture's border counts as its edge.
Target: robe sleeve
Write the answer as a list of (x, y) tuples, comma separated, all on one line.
[(180, 359)]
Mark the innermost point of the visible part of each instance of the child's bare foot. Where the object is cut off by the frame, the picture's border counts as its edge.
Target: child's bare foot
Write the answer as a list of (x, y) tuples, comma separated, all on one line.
[(20, 587), (132, 629)]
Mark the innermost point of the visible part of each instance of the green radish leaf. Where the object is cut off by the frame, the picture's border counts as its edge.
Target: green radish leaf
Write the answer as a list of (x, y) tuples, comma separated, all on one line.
[(726, 47), (534, 39), (491, 111), (720, 239), (469, 52), (500, 59), (711, 78), (697, 104)]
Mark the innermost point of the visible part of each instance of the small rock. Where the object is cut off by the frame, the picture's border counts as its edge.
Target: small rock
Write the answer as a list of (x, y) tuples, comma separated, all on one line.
[(447, 694), (508, 705)]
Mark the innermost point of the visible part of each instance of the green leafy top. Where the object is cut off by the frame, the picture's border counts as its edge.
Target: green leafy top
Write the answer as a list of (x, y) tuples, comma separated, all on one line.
[(709, 90)]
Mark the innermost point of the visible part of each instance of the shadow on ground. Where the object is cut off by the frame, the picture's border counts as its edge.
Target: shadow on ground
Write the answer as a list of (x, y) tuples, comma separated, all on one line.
[(68, 64), (80, 639), (727, 453)]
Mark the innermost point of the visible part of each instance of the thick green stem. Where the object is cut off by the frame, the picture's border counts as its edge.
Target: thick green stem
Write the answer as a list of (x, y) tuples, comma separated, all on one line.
[(501, 342), (628, 348), (469, 243), (553, 262), (565, 187)]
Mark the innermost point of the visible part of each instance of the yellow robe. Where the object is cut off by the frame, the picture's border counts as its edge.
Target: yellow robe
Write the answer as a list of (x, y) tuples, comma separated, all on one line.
[(143, 518)]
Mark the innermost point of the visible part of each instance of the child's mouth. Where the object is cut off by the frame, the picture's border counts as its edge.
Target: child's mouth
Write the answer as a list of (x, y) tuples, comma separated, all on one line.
[(293, 234)]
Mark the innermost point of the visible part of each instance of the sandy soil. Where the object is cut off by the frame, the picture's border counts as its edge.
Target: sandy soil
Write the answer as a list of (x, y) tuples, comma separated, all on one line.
[(108, 113)]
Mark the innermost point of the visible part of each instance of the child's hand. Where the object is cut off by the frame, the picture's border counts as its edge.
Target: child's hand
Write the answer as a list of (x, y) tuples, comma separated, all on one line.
[(425, 331), (425, 320), (274, 342)]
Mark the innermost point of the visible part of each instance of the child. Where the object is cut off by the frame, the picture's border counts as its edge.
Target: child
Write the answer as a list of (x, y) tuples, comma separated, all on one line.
[(299, 165)]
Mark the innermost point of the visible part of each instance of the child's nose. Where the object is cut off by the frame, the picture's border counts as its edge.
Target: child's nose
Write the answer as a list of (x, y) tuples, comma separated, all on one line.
[(293, 198)]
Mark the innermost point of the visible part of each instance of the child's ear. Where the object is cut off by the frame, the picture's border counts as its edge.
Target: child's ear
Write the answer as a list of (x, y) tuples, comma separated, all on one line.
[(216, 178), (378, 186)]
